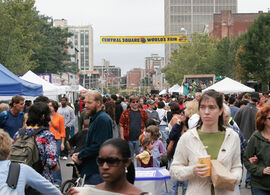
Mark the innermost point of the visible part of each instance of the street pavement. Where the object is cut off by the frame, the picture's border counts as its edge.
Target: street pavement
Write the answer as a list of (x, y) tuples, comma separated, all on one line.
[(67, 174)]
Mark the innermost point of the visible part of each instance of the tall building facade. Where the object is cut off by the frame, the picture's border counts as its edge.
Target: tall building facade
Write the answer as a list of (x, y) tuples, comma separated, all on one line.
[(83, 42), (153, 66), (134, 78), (82, 52), (189, 16)]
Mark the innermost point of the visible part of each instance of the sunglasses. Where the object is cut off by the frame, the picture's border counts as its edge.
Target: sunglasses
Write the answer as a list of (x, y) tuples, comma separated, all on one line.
[(135, 102), (111, 161)]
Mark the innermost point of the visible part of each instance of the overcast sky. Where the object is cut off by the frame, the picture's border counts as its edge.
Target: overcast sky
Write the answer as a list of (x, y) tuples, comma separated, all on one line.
[(123, 18)]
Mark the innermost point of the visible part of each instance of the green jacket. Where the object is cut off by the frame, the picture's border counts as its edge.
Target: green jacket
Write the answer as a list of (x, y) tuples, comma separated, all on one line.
[(259, 146)]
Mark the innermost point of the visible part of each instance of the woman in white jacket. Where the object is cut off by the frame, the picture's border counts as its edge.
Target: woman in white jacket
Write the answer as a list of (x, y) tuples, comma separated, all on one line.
[(209, 138)]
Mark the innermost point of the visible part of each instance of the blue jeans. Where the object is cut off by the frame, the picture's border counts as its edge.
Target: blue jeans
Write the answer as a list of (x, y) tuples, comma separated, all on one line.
[(257, 191), (57, 174), (93, 179), (165, 135), (134, 147)]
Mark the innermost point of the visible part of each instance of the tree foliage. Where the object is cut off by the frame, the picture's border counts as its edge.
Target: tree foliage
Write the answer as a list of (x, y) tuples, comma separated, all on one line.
[(52, 56), (254, 54), (29, 41), (19, 29), (223, 62), (244, 58), (192, 58)]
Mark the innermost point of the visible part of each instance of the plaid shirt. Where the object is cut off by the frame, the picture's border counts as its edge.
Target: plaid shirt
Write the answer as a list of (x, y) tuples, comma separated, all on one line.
[(125, 119), (47, 149)]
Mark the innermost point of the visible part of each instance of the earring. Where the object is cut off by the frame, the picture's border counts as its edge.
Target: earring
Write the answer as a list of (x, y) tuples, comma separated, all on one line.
[(126, 169)]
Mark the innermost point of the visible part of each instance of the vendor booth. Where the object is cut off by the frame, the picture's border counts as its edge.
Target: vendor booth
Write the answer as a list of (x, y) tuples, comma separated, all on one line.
[(11, 84), (176, 89), (49, 90), (229, 86)]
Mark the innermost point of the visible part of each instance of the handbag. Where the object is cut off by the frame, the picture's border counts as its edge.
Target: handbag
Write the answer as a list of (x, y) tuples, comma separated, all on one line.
[(221, 177)]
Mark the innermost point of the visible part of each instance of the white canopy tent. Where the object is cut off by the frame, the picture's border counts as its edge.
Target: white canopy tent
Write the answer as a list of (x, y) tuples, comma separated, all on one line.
[(49, 89), (163, 92), (228, 85), (176, 88)]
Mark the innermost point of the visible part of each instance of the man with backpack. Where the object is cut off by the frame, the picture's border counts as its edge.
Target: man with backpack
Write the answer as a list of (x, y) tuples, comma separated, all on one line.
[(12, 120)]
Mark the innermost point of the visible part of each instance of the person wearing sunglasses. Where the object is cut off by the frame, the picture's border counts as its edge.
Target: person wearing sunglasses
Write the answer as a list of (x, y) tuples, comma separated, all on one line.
[(132, 125), (116, 169), (257, 156)]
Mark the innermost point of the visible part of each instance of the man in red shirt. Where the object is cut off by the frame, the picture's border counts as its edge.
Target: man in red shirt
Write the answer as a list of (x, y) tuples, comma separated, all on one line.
[(132, 125)]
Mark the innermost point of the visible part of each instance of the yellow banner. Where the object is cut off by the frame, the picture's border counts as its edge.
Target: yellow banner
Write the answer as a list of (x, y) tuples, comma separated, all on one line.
[(127, 90), (143, 39)]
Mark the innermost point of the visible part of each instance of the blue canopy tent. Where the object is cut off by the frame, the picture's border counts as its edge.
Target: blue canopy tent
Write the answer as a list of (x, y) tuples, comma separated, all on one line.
[(11, 84)]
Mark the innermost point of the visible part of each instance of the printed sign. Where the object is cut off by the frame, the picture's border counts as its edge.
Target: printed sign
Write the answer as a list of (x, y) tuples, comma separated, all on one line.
[(143, 39)]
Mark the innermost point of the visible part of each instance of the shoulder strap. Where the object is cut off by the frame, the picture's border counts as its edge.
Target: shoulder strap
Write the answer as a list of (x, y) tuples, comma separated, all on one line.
[(37, 131), (13, 175), (54, 127)]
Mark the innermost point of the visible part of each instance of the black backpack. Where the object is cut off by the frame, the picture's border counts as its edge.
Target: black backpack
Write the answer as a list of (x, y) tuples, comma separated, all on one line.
[(25, 150)]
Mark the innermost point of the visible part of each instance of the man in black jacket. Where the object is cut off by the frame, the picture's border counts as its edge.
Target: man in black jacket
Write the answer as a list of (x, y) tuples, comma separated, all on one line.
[(118, 108), (245, 118)]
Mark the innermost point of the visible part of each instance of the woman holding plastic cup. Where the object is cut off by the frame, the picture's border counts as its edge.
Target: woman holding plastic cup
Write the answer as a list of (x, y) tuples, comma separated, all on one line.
[(209, 139)]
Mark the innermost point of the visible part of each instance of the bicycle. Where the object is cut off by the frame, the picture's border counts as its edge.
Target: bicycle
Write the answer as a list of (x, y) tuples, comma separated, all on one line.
[(74, 182)]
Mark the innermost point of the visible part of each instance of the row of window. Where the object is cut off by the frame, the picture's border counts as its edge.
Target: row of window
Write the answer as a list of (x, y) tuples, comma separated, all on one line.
[(227, 2), (84, 68), (200, 9), (196, 19)]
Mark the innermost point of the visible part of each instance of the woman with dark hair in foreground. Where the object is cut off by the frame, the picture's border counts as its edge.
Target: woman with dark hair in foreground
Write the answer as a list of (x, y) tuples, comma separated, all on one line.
[(116, 169)]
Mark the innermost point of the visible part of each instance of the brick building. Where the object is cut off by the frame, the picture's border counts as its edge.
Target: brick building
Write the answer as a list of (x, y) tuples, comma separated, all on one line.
[(134, 77), (231, 24)]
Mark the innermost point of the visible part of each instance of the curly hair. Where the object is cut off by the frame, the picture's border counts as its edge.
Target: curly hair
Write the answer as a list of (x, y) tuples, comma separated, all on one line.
[(261, 117)]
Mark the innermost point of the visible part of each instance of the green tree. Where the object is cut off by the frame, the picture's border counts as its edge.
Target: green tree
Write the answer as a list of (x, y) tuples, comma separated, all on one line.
[(19, 29), (191, 58), (223, 62), (254, 57), (52, 56)]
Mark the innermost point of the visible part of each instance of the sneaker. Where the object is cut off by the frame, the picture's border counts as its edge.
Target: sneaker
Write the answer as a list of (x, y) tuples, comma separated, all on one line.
[(64, 158)]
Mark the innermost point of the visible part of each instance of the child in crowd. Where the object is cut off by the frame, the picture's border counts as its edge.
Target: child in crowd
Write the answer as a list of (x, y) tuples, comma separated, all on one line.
[(147, 124), (158, 151), (145, 158)]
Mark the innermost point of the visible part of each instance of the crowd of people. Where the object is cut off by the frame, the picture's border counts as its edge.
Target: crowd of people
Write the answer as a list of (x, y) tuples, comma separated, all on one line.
[(115, 134)]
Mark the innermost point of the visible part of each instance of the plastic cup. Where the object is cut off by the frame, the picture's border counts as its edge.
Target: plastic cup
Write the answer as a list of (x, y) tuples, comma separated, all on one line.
[(206, 160)]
